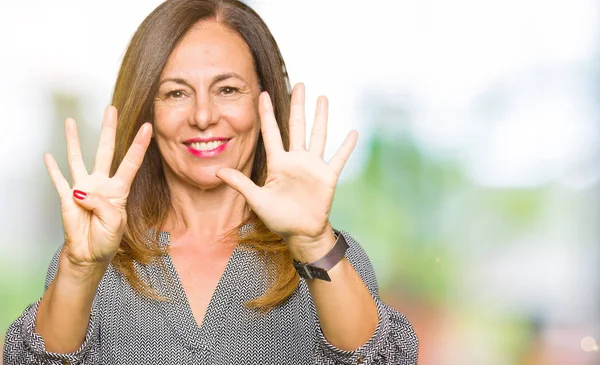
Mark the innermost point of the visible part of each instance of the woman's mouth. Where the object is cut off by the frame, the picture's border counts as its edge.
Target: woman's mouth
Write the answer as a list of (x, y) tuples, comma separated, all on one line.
[(207, 149)]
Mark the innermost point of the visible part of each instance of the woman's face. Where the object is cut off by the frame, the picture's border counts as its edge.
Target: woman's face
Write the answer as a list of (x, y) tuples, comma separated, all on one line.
[(206, 108)]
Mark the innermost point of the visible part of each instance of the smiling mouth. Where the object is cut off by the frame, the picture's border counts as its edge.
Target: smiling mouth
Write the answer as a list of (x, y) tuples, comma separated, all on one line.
[(207, 146)]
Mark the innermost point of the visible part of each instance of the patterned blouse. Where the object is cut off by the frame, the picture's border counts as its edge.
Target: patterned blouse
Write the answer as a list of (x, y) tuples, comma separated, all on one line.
[(127, 328)]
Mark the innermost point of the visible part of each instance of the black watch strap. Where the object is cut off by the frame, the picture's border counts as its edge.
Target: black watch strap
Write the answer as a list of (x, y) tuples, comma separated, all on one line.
[(319, 268)]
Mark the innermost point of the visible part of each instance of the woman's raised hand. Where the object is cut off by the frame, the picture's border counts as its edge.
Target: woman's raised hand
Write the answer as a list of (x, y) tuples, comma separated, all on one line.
[(297, 196), (93, 209)]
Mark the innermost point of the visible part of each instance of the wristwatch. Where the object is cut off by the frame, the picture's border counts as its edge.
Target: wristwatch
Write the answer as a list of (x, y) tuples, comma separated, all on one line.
[(319, 268)]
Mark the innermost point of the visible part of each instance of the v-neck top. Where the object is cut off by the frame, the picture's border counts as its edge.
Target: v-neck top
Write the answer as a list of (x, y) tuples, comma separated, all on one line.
[(128, 328)]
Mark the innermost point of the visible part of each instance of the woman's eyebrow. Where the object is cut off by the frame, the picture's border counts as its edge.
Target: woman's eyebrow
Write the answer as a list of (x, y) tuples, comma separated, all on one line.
[(176, 80), (217, 78), (228, 75)]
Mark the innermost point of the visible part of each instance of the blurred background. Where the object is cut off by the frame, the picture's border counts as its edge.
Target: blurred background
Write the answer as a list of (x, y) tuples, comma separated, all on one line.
[(474, 186)]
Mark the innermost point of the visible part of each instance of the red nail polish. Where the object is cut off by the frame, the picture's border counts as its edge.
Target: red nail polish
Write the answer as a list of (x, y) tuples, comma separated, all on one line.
[(79, 194)]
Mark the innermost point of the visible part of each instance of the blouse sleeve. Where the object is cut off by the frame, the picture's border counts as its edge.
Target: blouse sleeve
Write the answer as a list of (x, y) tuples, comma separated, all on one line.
[(394, 340), (23, 346)]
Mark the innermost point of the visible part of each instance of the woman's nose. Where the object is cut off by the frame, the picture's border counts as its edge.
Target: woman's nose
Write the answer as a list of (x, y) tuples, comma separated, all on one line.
[(204, 112)]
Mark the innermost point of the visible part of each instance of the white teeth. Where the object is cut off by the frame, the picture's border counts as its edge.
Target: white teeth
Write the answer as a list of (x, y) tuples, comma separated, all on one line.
[(207, 146)]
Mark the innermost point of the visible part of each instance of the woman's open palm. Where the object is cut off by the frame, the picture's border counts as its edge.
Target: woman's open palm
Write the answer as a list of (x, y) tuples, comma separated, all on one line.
[(93, 209), (296, 198)]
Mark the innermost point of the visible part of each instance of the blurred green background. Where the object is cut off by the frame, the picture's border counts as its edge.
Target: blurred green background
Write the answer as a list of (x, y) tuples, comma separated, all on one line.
[(474, 187)]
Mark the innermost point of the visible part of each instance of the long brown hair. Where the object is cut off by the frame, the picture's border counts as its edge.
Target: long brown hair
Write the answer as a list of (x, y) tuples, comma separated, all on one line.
[(137, 83)]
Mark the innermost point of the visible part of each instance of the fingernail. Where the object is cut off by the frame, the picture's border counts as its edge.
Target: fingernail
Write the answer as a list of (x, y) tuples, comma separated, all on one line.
[(79, 194), (320, 102)]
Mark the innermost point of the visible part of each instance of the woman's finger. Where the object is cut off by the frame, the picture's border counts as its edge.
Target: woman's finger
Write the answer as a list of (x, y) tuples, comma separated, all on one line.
[(341, 156), (74, 157), (318, 136), (135, 156), (297, 121), (242, 184), (100, 205), (60, 183), (269, 129), (106, 146)]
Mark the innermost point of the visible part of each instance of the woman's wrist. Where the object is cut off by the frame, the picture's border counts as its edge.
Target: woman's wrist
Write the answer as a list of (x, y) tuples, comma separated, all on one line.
[(311, 249), (76, 274)]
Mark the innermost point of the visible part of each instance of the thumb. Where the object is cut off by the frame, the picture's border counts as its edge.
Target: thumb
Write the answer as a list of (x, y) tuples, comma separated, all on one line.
[(239, 182), (98, 204)]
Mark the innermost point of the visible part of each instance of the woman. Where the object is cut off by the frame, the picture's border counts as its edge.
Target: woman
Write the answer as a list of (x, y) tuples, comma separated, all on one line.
[(186, 242)]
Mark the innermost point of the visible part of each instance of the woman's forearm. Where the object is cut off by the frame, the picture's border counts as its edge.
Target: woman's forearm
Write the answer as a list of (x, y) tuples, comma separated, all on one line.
[(346, 309), (64, 311)]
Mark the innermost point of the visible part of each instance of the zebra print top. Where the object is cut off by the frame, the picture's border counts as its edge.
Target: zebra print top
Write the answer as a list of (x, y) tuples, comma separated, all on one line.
[(126, 328)]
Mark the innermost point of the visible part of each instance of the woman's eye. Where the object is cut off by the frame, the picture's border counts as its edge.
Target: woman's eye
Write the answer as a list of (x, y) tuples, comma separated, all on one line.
[(175, 94), (228, 91)]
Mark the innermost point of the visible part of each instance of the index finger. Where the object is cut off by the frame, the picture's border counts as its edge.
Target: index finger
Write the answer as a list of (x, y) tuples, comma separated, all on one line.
[(135, 155), (269, 128)]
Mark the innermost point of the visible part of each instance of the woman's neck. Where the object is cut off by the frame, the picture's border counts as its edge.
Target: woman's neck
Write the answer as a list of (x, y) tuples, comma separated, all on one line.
[(204, 216)]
